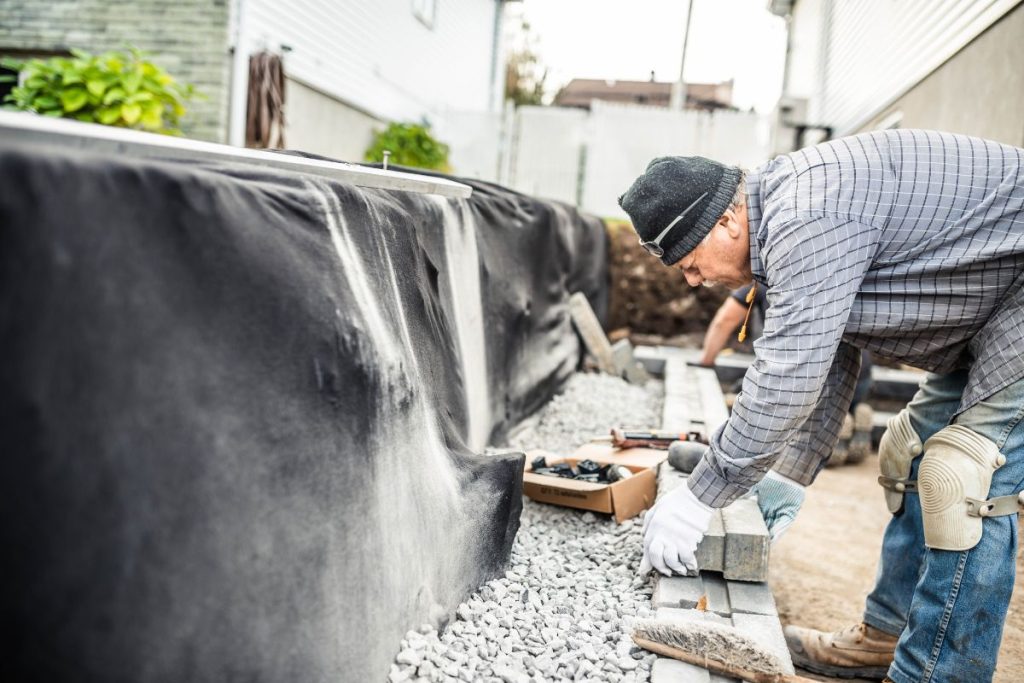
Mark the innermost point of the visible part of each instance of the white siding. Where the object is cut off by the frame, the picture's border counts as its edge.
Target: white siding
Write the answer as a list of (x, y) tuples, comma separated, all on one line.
[(878, 49), (320, 124), (377, 56)]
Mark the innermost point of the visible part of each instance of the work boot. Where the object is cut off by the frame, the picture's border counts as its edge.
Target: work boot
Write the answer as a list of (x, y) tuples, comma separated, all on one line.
[(860, 651), (841, 452), (860, 443)]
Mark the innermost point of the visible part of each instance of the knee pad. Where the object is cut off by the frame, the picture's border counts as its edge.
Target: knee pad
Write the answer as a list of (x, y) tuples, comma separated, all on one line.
[(899, 446), (953, 482)]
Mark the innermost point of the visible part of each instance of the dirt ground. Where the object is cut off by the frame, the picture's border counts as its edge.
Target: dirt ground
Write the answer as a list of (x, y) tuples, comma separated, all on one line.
[(825, 564)]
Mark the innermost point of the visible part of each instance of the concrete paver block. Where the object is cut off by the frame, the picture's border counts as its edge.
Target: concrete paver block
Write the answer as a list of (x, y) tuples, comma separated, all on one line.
[(712, 402), (737, 541), (751, 598), (667, 670), (674, 419), (678, 410), (717, 593), (690, 615), (626, 363), (678, 591), (668, 479), (652, 358), (711, 550), (767, 631), (622, 354), (636, 373), (746, 542)]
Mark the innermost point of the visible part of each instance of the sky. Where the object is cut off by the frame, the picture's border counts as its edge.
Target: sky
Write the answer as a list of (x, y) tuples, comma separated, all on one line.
[(627, 39)]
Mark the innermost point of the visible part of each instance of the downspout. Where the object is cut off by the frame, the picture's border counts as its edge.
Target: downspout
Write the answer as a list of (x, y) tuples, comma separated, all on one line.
[(495, 92), (239, 77)]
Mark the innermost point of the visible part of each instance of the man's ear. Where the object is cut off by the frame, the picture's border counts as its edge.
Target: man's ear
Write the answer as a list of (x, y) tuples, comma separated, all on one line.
[(731, 221)]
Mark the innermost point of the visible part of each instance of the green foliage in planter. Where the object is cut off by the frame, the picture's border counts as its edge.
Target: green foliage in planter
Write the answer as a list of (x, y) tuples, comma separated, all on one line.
[(410, 144), (119, 88)]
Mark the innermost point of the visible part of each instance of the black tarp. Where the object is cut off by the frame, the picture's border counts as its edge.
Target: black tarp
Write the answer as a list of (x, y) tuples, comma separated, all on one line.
[(233, 412)]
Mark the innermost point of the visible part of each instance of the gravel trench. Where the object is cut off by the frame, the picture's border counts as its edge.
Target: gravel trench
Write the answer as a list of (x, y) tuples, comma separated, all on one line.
[(564, 609)]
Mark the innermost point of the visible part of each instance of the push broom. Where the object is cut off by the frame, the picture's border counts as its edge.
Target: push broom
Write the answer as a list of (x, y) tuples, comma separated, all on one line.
[(719, 649)]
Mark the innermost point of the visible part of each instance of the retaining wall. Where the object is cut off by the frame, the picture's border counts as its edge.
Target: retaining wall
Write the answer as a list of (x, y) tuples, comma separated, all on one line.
[(241, 407)]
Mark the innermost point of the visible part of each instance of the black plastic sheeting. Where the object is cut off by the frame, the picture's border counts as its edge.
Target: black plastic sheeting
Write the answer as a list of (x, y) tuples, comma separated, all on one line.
[(234, 416)]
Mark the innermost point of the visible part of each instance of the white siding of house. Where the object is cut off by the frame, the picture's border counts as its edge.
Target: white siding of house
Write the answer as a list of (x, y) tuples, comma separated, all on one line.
[(878, 49), (376, 55)]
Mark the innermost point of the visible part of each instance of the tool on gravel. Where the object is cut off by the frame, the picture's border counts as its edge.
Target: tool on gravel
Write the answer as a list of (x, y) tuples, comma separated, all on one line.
[(648, 438), (718, 648)]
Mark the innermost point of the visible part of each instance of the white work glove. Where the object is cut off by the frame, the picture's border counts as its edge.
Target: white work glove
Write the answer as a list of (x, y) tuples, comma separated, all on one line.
[(672, 530), (779, 498)]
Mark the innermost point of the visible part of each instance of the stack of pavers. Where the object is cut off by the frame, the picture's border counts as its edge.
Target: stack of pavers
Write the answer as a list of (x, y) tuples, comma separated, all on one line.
[(731, 587)]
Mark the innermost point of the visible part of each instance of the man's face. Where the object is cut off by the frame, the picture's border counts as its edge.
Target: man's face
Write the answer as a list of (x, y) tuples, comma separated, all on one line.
[(723, 257)]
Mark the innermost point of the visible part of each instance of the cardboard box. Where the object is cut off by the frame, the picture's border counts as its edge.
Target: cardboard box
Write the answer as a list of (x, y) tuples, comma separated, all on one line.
[(623, 499)]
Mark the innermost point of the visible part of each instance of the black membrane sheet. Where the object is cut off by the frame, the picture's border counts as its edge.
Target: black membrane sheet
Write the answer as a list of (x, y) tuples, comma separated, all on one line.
[(233, 412)]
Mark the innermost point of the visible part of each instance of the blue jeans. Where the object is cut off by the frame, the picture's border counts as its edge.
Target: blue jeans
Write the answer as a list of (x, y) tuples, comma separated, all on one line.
[(948, 607)]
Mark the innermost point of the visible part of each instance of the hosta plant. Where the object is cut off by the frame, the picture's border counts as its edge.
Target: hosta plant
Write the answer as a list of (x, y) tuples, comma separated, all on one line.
[(120, 88)]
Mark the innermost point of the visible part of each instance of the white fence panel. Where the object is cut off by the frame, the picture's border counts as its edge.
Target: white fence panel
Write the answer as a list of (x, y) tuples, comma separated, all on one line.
[(475, 141), (588, 159), (546, 152), (624, 138)]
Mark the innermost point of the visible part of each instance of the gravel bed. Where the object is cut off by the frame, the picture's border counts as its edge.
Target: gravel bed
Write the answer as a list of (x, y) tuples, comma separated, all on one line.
[(564, 608)]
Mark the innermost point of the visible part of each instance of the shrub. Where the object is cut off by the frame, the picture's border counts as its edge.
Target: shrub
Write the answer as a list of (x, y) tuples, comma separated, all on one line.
[(118, 88), (410, 144)]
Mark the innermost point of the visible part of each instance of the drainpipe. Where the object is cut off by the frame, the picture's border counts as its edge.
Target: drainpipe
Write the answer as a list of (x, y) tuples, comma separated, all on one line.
[(494, 102), (239, 77)]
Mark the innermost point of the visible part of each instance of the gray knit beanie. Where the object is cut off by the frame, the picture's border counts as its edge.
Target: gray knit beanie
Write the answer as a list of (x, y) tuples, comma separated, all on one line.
[(677, 201)]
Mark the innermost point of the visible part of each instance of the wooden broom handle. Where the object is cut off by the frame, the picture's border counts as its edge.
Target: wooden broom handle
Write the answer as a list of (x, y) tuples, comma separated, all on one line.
[(717, 667)]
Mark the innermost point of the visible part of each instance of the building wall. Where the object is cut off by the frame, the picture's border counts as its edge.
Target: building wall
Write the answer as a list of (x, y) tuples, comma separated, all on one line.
[(187, 37), (877, 50), (979, 91), (379, 56), (321, 124)]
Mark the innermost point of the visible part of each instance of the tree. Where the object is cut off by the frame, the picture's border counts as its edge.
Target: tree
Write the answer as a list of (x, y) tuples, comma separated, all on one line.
[(525, 76)]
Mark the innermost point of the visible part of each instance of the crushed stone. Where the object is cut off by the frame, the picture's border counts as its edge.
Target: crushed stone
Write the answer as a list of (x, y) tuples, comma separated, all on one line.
[(565, 608)]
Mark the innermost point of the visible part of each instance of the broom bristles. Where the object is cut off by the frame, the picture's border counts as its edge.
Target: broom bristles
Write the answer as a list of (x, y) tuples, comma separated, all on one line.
[(712, 642)]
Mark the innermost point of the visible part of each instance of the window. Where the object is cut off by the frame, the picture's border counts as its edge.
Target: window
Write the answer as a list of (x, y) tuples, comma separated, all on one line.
[(425, 11)]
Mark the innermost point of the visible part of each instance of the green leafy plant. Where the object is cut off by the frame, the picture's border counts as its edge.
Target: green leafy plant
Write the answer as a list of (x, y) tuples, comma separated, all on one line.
[(410, 144), (119, 88)]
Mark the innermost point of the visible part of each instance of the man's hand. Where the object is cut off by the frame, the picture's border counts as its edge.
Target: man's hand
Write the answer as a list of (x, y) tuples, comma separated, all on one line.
[(672, 530), (779, 498)]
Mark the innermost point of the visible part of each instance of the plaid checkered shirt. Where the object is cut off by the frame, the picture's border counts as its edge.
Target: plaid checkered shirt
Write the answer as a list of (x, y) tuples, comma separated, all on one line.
[(907, 243)]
